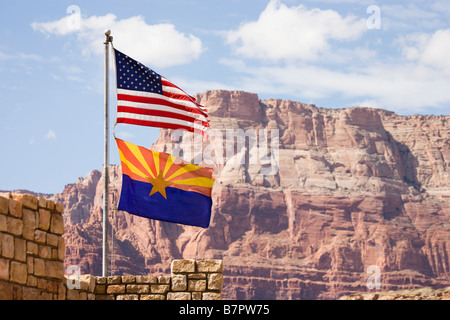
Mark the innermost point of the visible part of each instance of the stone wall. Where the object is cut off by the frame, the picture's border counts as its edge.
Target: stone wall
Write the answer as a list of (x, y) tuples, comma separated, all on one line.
[(31, 248), (32, 254), (189, 280)]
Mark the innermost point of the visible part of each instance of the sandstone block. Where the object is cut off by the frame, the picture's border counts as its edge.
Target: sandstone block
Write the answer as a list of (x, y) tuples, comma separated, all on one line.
[(83, 296), (179, 296), (100, 289), (6, 291), (61, 249), (179, 282), (42, 283), (14, 226), (164, 279), (4, 270), (196, 296), (87, 283), (114, 280), (7, 245), (20, 249), (215, 266), (50, 205), (127, 297), (52, 240), (29, 224), (196, 276), (45, 251), (40, 236), (4, 205), (57, 224), (146, 279), (61, 291), (3, 226), (32, 248), (18, 292), (39, 267), (115, 288), (33, 294), (138, 288), (44, 219), (54, 269), (18, 272), (42, 203), (215, 281), (31, 281), (28, 201), (211, 296), (54, 253), (15, 208), (153, 297), (73, 295), (59, 207), (30, 264), (183, 266), (197, 285), (128, 279), (100, 280), (159, 288)]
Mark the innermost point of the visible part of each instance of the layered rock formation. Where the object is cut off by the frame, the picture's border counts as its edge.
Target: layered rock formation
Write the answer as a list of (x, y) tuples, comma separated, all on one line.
[(347, 192), (417, 294)]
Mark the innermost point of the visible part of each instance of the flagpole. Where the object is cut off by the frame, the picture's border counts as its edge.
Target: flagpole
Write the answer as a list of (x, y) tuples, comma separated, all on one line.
[(106, 160)]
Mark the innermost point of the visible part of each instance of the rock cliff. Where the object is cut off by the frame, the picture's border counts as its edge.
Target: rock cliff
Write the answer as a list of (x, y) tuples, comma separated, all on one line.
[(416, 294), (344, 192)]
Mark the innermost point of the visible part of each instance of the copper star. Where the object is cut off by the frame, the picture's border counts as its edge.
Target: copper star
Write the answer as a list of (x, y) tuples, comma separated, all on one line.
[(159, 185)]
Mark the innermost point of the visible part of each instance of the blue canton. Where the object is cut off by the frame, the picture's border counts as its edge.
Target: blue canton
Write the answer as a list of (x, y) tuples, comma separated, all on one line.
[(133, 75)]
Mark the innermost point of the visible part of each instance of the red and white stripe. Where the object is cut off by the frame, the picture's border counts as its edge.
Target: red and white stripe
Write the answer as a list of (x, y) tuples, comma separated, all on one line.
[(173, 109)]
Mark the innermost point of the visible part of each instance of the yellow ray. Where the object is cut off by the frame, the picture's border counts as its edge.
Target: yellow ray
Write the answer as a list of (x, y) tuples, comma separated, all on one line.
[(137, 153), (187, 168), (156, 160), (200, 181), (169, 163), (131, 166)]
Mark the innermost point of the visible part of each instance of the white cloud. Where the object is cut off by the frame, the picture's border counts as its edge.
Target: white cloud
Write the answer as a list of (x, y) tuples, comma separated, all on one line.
[(432, 50), (319, 55), (193, 85), (405, 88), (369, 103), (50, 135), (293, 33), (158, 45), (360, 2)]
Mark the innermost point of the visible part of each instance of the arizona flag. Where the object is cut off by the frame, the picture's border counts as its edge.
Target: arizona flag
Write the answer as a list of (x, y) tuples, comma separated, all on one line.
[(158, 186)]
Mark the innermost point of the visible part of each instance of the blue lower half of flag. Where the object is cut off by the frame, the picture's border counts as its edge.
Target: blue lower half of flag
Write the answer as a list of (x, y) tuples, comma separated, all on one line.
[(184, 207)]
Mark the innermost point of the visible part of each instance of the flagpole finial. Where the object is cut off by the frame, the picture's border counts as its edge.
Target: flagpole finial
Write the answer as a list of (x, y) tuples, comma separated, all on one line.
[(109, 38)]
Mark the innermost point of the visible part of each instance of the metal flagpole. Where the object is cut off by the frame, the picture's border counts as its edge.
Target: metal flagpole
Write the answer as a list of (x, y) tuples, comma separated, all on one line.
[(106, 160)]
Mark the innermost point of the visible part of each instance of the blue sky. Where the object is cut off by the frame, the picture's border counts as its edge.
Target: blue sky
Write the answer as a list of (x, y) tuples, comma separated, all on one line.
[(333, 53)]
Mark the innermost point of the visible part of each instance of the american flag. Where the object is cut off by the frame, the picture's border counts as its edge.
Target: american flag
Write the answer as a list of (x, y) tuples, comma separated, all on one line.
[(146, 98)]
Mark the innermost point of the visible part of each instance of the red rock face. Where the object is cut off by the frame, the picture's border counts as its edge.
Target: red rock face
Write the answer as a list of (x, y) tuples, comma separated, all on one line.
[(355, 189)]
